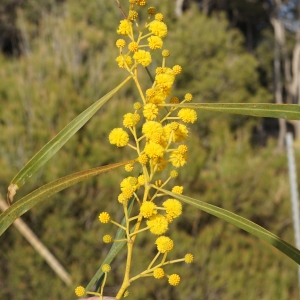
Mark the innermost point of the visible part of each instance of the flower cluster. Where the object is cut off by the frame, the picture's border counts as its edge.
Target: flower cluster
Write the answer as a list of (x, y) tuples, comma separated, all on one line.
[(157, 136)]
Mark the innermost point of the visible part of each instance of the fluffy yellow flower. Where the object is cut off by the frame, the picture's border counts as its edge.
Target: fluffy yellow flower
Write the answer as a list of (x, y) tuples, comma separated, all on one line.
[(107, 239), (157, 224), (148, 209), (155, 42), (104, 217), (143, 57), (188, 97), (129, 182), (80, 291), (158, 273), (187, 115), (129, 167), (164, 244), (118, 137), (150, 111), (154, 150), (182, 149), (179, 135), (189, 258), (133, 46), (151, 10), (124, 27), (174, 279), (123, 61), (106, 268), (159, 17), (177, 189), (141, 180), (158, 28), (143, 159), (173, 174), (158, 94), (177, 69), (177, 159), (152, 128), (165, 81), (173, 207), (120, 43), (133, 15), (130, 120)]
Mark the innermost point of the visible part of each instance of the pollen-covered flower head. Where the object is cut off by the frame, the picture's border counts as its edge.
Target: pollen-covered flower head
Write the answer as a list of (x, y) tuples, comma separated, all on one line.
[(177, 159), (165, 80), (158, 273), (174, 279), (124, 27), (187, 115), (104, 217), (130, 120), (173, 207), (177, 189), (151, 129), (118, 137), (155, 42), (150, 111), (143, 57), (158, 28), (179, 134), (157, 224), (80, 291), (164, 244), (129, 182), (106, 268), (148, 209), (189, 258), (154, 150), (124, 61)]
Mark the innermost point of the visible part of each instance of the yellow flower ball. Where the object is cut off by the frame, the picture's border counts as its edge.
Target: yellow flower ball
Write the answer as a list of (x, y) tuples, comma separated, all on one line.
[(118, 137), (133, 15), (107, 239), (177, 159), (129, 167), (133, 46), (187, 115), (177, 189), (173, 174), (158, 273), (143, 57), (80, 291), (157, 224), (120, 43), (158, 28), (174, 279), (189, 258), (148, 209), (151, 11), (143, 159), (173, 207), (154, 150), (150, 111), (130, 120), (104, 217), (124, 61), (164, 244), (155, 42), (137, 105), (159, 17), (124, 27), (106, 268), (188, 97), (177, 69)]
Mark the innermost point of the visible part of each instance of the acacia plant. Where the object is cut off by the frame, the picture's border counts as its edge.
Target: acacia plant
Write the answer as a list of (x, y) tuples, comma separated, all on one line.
[(156, 130)]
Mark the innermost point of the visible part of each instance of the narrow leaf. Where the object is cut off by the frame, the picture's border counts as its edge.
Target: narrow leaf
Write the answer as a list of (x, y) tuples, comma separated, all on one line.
[(266, 110), (47, 190), (240, 222), (57, 142)]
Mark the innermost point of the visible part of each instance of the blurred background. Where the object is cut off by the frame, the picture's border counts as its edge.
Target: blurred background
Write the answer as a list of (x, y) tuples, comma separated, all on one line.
[(58, 57)]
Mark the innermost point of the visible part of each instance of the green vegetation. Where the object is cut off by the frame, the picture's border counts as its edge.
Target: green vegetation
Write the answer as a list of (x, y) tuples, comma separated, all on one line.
[(68, 63)]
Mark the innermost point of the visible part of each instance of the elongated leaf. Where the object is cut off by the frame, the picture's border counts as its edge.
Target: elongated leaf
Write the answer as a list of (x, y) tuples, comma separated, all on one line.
[(242, 223), (47, 190), (266, 110), (57, 142)]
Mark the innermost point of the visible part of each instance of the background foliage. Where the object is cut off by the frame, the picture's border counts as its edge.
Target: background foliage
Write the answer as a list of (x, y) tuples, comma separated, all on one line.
[(66, 62)]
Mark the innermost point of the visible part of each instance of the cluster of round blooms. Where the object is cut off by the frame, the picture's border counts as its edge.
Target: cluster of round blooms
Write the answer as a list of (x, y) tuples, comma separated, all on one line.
[(156, 135)]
